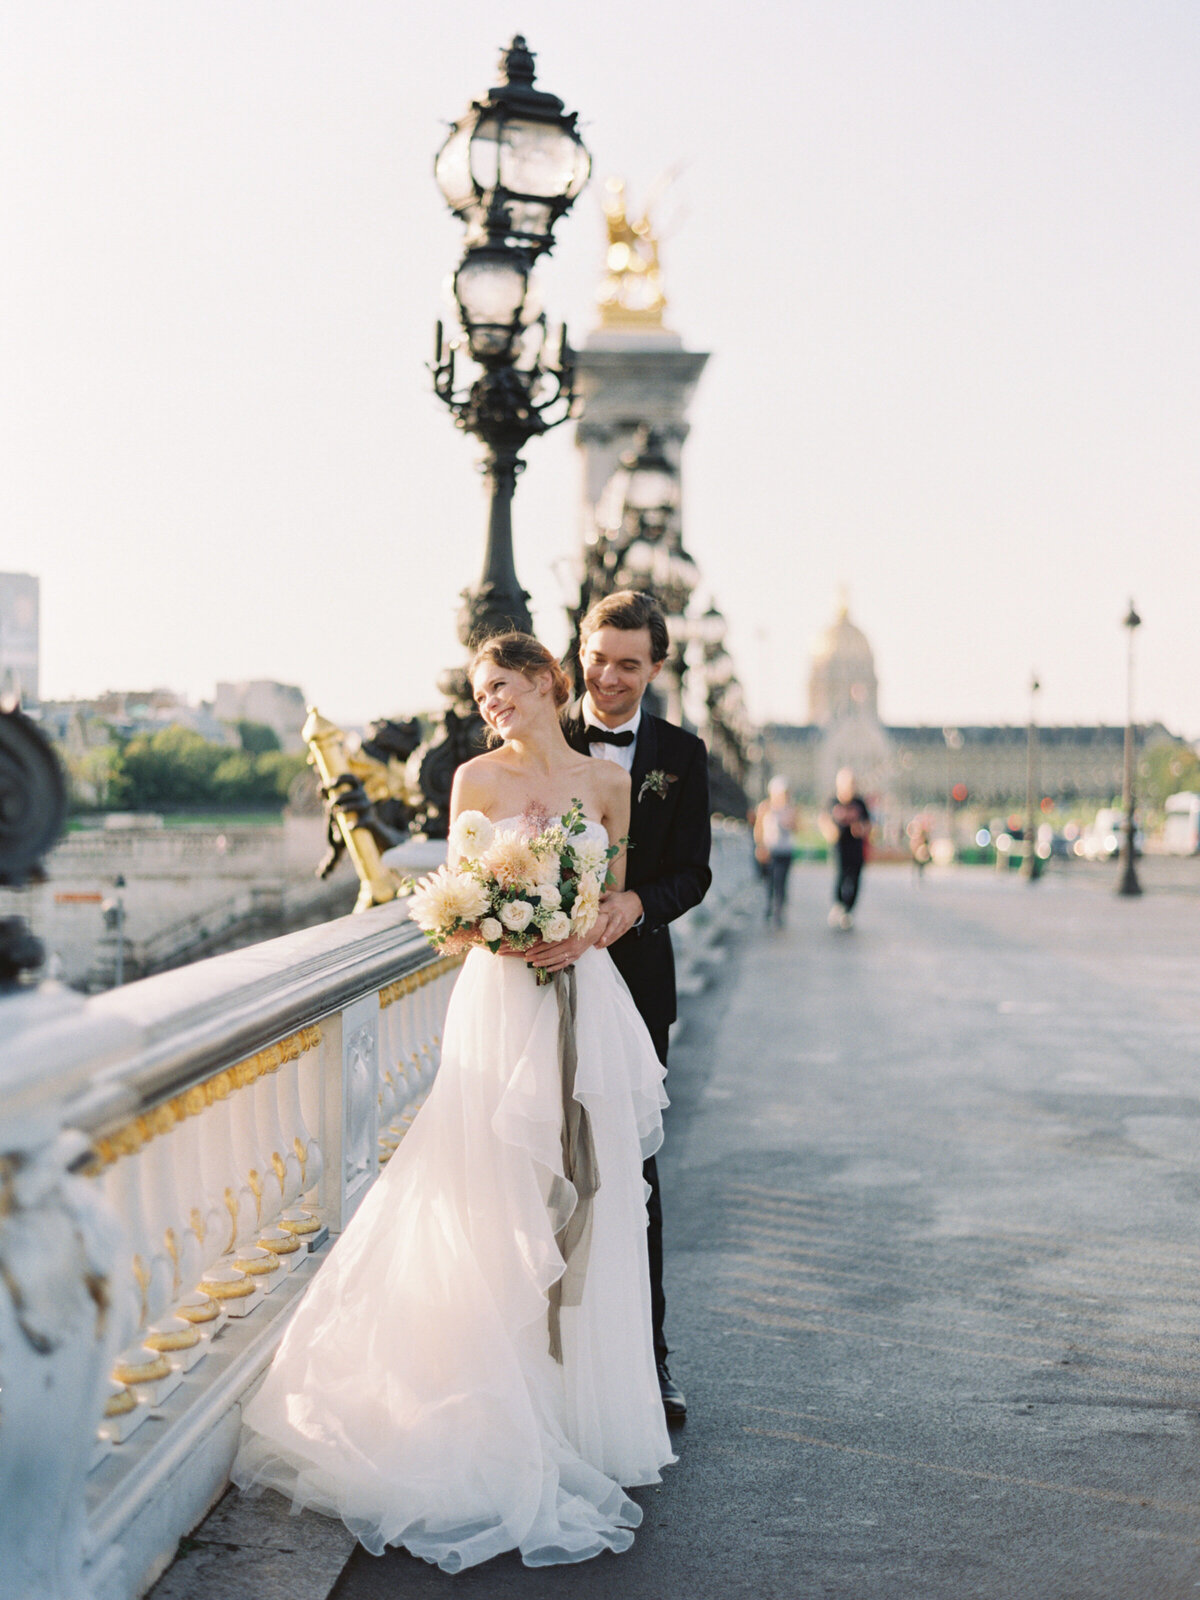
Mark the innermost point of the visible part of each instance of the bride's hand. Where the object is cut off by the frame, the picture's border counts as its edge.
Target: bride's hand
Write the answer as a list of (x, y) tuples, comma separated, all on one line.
[(554, 957)]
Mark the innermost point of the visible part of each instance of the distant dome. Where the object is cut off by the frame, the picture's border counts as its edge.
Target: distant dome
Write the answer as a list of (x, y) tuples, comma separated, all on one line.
[(842, 680), (843, 642)]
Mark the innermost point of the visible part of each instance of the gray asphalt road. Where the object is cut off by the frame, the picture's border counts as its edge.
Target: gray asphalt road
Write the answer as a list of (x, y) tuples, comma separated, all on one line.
[(933, 1194)]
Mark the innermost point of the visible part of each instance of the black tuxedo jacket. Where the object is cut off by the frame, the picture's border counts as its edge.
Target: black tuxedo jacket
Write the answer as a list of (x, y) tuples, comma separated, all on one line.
[(670, 838)]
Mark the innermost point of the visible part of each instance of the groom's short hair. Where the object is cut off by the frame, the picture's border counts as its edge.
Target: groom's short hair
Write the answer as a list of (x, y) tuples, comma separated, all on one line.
[(629, 610)]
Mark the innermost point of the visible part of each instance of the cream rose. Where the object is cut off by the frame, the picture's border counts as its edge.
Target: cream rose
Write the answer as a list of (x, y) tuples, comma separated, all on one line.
[(492, 929), (517, 915), (471, 835), (549, 896), (587, 903), (557, 928)]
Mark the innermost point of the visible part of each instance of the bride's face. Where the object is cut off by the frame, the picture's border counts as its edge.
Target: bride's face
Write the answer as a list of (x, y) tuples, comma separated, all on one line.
[(509, 701)]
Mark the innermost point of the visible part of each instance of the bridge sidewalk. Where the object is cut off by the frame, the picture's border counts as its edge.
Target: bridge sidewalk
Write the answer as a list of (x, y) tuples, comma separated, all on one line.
[(933, 1268)]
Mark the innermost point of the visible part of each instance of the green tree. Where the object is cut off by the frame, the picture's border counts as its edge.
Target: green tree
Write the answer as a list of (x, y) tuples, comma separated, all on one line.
[(257, 737), (1166, 769), (171, 767)]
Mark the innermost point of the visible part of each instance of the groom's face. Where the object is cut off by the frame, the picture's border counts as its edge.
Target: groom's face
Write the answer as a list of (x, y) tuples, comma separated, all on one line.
[(616, 669)]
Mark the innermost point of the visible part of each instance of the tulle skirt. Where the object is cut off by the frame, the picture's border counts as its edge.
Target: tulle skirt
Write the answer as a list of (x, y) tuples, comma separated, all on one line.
[(414, 1394)]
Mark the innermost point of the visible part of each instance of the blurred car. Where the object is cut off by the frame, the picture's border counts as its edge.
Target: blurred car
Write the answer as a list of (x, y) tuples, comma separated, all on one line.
[(1101, 840)]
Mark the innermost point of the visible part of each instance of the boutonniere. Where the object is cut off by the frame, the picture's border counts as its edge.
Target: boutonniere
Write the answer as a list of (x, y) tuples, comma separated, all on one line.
[(655, 782)]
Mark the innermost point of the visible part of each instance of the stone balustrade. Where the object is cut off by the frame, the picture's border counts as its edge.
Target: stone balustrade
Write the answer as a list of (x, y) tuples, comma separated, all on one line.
[(174, 1157)]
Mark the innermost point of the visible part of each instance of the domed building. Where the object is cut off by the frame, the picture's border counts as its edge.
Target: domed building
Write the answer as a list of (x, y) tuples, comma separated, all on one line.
[(843, 705), (842, 681), (906, 770)]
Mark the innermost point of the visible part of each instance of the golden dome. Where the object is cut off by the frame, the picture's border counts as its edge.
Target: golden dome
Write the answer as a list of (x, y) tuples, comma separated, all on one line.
[(843, 642)]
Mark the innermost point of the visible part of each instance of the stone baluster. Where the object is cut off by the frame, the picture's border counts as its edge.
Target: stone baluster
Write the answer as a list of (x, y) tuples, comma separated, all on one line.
[(253, 1163), (131, 1188), (223, 1174), (297, 1089)]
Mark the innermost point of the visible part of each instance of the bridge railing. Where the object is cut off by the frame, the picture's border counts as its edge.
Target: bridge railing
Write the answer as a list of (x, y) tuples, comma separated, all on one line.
[(174, 1156)]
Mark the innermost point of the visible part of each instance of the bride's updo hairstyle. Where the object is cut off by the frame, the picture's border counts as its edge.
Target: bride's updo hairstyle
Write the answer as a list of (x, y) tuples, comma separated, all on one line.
[(521, 652)]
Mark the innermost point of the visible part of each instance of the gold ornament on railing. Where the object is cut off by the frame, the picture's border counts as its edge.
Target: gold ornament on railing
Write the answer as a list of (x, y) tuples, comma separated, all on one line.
[(328, 753)]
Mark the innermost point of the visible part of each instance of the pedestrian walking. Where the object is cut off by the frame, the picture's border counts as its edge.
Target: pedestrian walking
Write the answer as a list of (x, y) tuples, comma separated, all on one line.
[(918, 844), (775, 824), (847, 826)]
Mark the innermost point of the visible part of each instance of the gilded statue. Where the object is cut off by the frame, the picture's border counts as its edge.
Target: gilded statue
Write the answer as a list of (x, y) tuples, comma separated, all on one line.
[(631, 293)]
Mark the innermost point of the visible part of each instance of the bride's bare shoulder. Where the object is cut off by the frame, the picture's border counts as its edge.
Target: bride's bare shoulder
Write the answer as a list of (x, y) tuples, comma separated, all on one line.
[(612, 782), (475, 783)]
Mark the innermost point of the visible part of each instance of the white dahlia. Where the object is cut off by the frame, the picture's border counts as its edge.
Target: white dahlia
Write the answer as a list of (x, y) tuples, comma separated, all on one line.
[(510, 861), (444, 899), (591, 856), (471, 834)]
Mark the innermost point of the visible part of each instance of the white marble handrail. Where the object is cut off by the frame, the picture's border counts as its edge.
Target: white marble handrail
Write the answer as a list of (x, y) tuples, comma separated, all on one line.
[(174, 1155)]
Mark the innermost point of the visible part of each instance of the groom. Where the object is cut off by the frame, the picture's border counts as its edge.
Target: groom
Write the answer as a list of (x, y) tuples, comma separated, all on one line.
[(623, 644)]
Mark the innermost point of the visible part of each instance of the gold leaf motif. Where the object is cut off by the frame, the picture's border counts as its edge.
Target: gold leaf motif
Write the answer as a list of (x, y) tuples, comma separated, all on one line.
[(173, 1251), (231, 1205)]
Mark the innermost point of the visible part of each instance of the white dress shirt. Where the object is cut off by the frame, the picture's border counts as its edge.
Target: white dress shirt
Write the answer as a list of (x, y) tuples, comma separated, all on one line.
[(622, 754)]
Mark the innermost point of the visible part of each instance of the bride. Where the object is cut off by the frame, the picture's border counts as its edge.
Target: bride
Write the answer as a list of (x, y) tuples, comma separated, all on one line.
[(415, 1394)]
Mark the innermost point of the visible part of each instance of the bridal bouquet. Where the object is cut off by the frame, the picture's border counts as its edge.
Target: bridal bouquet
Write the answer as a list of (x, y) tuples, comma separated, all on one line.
[(509, 891)]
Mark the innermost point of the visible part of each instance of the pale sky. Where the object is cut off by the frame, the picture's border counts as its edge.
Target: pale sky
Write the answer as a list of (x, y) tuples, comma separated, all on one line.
[(946, 254)]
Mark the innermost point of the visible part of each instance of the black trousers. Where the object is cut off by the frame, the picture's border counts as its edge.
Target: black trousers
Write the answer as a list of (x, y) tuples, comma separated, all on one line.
[(654, 1240), (850, 865)]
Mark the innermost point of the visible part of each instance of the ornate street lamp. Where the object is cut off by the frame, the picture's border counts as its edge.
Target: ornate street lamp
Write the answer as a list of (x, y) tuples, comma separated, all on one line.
[(1129, 879), (510, 168), (1030, 866), (636, 543)]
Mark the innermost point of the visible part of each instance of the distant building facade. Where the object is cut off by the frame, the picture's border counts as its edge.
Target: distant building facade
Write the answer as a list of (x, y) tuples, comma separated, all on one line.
[(19, 636), (904, 770), (279, 706)]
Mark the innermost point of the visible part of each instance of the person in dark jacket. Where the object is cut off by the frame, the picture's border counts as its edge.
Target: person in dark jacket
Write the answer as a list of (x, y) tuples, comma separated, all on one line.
[(623, 646)]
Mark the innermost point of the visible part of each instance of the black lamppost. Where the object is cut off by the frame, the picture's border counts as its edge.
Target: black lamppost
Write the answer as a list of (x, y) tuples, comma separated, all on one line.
[(511, 167), (954, 742), (1030, 865), (636, 544), (1129, 879)]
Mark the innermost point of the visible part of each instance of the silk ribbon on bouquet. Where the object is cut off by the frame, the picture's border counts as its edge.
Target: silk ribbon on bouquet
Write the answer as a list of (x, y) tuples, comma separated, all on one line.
[(574, 1238)]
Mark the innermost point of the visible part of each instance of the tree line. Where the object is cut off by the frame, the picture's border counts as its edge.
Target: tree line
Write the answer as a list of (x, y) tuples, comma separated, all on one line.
[(177, 769)]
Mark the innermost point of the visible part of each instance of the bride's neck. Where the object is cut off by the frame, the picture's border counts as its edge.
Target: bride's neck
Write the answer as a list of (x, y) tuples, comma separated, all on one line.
[(541, 748)]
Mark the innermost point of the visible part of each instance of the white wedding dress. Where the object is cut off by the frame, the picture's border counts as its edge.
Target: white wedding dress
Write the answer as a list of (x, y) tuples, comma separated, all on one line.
[(414, 1394)]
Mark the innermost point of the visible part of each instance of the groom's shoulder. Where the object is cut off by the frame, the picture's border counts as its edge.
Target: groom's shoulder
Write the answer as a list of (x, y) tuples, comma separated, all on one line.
[(671, 737)]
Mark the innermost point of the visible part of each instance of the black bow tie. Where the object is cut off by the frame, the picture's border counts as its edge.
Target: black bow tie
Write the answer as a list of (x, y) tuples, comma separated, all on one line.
[(607, 736)]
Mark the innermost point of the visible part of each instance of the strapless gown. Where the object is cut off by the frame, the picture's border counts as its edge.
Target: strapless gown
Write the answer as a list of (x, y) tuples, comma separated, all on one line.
[(414, 1394)]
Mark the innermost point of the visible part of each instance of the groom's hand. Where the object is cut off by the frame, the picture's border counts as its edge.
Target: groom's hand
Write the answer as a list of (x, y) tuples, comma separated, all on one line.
[(623, 909)]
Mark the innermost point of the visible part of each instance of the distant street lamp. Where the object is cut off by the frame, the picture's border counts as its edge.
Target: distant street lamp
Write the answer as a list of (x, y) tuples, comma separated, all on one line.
[(1030, 865), (1129, 879), (510, 168), (954, 741)]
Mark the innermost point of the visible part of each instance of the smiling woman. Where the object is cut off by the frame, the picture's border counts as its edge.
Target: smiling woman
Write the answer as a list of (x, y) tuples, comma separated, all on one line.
[(513, 663)]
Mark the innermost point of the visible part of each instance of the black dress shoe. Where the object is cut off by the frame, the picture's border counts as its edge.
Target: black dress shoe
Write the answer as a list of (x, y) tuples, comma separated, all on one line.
[(674, 1404)]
